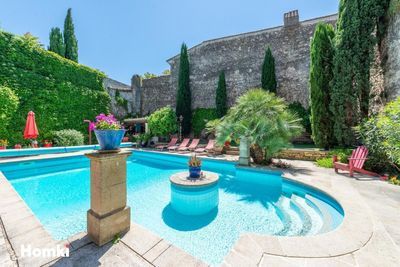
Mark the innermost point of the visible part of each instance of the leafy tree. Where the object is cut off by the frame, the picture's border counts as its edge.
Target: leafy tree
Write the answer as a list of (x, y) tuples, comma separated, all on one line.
[(56, 42), (220, 100), (354, 52), (264, 120), (321, 75), (166, 72), (268, 77), (184, 98), (9, 104), (148, 75), (162, 122), (381, 135), (70, 41)]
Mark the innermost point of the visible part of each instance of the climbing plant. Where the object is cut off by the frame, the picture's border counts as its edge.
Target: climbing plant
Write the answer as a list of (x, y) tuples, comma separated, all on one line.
[(61, 92)]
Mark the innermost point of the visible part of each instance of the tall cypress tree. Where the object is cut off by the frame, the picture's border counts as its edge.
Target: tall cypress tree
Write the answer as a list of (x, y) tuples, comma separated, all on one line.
[(268, 77), (56, 42), (184, 98), (71, 44), (354, 52), (321, 75), (220, 99)]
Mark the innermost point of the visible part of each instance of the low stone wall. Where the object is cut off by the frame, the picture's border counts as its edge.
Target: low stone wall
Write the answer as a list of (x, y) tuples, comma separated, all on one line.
[(302, 154)]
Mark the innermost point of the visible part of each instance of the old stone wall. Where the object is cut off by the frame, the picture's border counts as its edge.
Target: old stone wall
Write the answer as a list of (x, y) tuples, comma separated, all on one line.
[(156, 93), (241, 57), (392, 64), (125, 91)]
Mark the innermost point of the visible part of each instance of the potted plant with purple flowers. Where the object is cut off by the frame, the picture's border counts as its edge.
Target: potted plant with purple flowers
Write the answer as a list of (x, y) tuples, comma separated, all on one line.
[(194, 167), (109, 132)]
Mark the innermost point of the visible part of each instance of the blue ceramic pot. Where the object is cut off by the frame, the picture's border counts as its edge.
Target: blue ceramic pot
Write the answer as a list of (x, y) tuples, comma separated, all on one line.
[(109, 139), (194, 172)]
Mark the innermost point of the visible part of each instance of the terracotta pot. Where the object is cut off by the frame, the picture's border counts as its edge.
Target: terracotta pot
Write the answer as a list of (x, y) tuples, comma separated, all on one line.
[(17, 146), (3, 147)]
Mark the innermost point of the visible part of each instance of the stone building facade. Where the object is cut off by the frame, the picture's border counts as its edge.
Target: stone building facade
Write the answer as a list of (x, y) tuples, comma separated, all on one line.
[(125, 91), (241, 57)]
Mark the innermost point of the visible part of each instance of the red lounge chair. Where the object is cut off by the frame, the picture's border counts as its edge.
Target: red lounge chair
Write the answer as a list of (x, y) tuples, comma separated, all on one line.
[(193, 146), (170, 144), (210, 146), (184, 143), (356, 162)]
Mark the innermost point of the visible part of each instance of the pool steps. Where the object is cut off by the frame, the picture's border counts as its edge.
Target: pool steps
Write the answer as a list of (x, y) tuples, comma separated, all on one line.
[(326, 215), (298, 211)]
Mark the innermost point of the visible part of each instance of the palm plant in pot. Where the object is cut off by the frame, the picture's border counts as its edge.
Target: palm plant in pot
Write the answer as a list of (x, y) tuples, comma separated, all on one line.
[(108, 131), (194, 167)]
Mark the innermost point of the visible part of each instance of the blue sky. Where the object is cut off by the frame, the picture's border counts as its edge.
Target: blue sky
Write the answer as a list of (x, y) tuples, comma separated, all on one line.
[(124, 37)]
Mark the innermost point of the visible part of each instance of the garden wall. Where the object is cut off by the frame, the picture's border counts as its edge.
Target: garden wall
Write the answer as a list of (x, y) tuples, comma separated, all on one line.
[(62, 93)]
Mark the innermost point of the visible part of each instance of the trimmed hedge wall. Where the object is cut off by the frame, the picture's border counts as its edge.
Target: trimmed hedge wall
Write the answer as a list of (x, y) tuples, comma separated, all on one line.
[(62, 93)]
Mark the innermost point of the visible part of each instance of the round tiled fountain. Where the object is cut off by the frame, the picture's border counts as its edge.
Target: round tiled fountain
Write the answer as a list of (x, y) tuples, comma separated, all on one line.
[(194, 196)]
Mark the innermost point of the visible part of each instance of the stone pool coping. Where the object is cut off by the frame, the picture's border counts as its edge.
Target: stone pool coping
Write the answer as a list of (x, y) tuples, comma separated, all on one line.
[(356, 230)]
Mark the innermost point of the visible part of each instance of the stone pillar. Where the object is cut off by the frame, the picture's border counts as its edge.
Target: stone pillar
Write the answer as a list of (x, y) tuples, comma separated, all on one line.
[(108, 215), (244, 152)]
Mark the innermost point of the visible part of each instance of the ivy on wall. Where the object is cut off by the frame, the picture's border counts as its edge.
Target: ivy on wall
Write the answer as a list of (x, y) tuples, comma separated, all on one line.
[(62, 93)]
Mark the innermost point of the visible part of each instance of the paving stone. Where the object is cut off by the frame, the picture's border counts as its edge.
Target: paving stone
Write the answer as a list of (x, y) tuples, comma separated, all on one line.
[(156, 251), (174, 256), (140, 239)]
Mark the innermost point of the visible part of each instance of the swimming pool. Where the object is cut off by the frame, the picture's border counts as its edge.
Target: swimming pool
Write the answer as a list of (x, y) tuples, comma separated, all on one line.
[(57, 191)]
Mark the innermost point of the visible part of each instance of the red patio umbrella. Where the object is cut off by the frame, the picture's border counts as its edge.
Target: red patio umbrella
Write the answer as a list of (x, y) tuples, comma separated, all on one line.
[(31, 131)]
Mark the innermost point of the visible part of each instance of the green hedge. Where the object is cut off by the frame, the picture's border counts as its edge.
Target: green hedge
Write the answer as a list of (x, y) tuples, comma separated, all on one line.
[(200, 117), (62, 93)]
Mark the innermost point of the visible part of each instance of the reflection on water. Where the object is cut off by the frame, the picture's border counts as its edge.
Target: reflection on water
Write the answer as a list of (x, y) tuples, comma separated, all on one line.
[(182, 222)]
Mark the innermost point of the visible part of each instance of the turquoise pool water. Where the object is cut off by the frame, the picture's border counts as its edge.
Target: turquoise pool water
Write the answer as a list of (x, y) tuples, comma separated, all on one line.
[(57, 191)]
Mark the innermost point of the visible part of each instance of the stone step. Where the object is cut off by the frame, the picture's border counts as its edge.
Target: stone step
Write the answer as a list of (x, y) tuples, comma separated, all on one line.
[(326, 215)]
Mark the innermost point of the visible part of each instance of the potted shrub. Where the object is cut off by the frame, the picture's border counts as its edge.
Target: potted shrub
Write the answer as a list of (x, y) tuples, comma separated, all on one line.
[(47, 143), (108, 131), (194, 167), (17, 146), (3, 144)]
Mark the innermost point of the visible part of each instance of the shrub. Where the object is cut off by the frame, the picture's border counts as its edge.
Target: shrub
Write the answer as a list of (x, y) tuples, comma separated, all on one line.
[(221, 97), (325, 162), (201, 117), (9, 104), (268, 76), (321, 75), (381, 135), (264, 120), (68, 137), (302, 113), (61, 92), (183, 96), (162, 122)]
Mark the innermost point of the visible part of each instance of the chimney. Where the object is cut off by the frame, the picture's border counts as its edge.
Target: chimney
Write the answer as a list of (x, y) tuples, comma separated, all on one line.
[(291, 18)]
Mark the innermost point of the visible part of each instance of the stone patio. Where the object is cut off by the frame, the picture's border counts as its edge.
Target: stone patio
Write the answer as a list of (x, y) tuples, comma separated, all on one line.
[(369, 235)]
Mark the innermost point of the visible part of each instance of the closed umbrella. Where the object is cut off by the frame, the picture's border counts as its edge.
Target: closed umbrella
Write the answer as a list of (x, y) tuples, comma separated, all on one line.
[(31, 131)]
